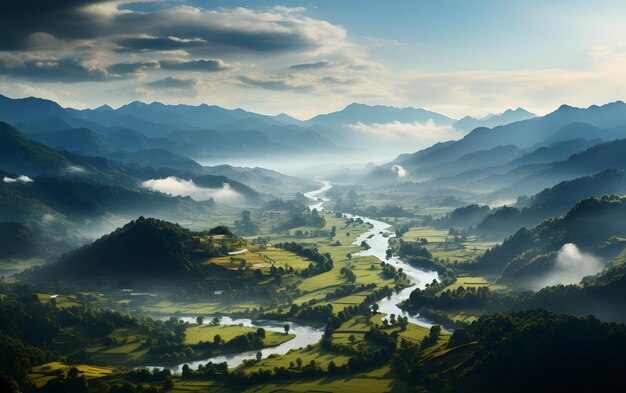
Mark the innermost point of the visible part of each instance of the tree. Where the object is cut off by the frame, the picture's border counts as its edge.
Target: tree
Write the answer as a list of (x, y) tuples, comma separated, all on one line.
[(286, 327), (217, 339), (259, 356), (299, 362), (349, 256), (260, 332), (352, 339), (375, 308), (258, 274), (200, 320)]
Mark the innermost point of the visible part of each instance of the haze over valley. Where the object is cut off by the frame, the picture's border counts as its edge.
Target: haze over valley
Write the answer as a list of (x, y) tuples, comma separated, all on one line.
[(346, 196)]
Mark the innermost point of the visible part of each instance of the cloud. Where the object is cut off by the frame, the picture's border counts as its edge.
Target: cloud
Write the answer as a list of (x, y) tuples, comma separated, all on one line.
[(172, 82), (167, 27), (570, 266), (205, 65), (426, 133), (75, 169), (599, 51), (133, 44), (310, 66), (19, 179), (398, 171), (181, 187), (276, 83), (132, 68), (51, 69)]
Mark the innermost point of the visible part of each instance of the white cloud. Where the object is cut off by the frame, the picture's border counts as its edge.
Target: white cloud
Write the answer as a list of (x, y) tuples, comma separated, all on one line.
[(570, 267), (398, 171), (19, 179), (426, 133), (181, 187), (75, 169), (599, 51)]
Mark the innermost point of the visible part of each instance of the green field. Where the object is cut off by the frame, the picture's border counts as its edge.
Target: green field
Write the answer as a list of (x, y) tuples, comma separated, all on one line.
[(443, 246), (40, 375), (196, 334)]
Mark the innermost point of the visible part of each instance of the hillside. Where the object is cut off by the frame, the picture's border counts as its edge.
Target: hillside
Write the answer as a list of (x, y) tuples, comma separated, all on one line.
[(531, 252), (595, 159), (146, 249), (547, 351), (528, 133), (23, 156), (552, 201), (79, 199)]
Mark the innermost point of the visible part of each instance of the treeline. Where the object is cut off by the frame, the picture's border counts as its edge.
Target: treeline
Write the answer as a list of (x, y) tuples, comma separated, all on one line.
[(323, 262), (539, 351), (304, 218), (29, 327), (147, 248)]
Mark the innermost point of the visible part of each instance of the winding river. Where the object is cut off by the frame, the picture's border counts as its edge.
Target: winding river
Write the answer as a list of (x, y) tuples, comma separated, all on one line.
[(378, 239)]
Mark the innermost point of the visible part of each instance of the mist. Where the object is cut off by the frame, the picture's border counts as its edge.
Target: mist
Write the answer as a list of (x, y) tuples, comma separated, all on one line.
[(181, 187), (19, 179), (398, 171), (570, 266)]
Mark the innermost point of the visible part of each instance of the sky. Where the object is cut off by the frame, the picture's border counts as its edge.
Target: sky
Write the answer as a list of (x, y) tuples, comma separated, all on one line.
[(309, 57)]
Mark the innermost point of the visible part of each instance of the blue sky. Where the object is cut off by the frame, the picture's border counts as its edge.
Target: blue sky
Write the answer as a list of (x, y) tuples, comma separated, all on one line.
[(303, 57)]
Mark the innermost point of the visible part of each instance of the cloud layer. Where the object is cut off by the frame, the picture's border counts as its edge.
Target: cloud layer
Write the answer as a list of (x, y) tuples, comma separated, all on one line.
[(180, 187), (284, 59), (423, 133), (19, 179), (570, 267)]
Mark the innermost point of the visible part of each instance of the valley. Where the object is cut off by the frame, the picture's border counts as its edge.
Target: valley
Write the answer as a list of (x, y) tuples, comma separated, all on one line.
[(136, 256)]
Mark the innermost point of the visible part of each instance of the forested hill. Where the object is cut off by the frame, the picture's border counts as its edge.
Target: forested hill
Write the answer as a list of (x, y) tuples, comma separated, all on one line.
[(589, 225), (536, 351), (146, 247)]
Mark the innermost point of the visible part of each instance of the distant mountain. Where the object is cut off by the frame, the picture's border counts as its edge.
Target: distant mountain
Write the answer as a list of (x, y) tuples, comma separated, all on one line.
[(211, 181), (366, 114), (285, 118), (523, 134), (128, 140), (469, 123), (480, 159), (194, 131), (25, 157), (590, 161), (30, 109), (586, 131), (492, 178), (158, 158), (78, 199), (22, 156), (76, 140), (261, 179), (558, 151), (552, 201)]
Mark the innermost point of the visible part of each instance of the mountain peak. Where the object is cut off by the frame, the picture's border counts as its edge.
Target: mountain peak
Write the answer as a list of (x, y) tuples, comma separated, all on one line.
[(566, 107), (103, 108)]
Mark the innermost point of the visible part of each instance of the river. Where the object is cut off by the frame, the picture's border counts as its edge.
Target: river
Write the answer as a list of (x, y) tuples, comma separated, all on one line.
[(378, 239)]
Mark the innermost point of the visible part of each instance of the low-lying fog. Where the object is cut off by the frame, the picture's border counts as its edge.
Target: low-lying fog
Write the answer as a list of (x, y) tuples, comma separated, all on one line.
[(180, 187), (570, 267)]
